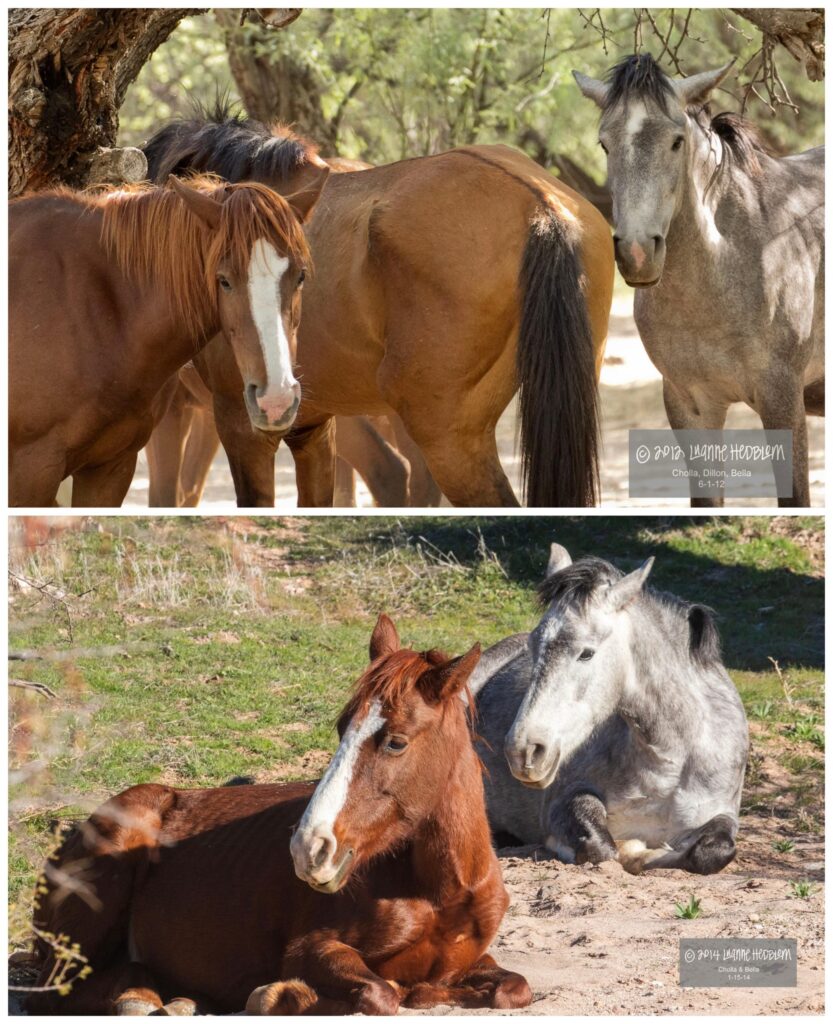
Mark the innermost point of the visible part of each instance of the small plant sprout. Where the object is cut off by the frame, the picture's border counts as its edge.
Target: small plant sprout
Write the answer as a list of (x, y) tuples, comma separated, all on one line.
[(688, 911), (783, 845), (802, 890)]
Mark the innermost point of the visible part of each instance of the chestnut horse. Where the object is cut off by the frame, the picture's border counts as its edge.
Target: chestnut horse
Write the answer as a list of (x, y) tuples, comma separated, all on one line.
[(443, 284), (110, 293), (388, 894)]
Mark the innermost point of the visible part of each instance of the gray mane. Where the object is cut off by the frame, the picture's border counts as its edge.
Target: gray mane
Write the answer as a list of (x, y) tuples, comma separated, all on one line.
[(576, 584), (641, 76)]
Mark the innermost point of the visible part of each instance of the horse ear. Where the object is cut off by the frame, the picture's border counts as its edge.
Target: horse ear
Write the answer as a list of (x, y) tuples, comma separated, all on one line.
[(695, 90), (446, 680), (384, 639), (207, 209), (559, 559), (627, 589), (304, 202), (592, 88)]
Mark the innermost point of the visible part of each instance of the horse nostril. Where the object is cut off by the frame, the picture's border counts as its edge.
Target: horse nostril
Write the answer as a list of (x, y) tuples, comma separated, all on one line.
[(321, 851), (533, 754)]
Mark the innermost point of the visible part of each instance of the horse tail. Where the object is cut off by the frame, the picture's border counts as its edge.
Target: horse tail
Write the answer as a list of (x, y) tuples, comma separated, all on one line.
[(558, 399)]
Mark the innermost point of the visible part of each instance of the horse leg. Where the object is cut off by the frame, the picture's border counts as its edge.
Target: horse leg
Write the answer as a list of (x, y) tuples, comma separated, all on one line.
[(782, 408), (164, 452), (35, 474), (577, 831), (200, 449), (344, 491), (251, 453), (702, 851), (422, 487), (378, 463), (483, 985), (313, 449), (104, 485), (336, 980), (687, 413)]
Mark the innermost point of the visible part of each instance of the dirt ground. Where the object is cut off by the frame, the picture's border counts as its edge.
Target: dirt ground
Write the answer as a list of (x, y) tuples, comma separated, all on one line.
[(595, 940), (631, 396)]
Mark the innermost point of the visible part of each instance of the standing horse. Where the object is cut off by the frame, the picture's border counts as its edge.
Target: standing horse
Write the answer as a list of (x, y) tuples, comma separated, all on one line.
[(111, 293), (389, 893), (726, 247), (618, 717), (442, 285)]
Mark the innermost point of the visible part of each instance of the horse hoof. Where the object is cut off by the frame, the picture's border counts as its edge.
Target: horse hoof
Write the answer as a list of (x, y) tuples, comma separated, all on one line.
[(281, 998), (512, 993), (135, 1007), (178, 1008)]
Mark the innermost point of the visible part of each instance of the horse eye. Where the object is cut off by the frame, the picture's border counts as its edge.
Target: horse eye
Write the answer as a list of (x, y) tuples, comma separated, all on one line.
[(301, 277), (604, 147), (677, 143), (396, 745), (225, 284), (586, 654)]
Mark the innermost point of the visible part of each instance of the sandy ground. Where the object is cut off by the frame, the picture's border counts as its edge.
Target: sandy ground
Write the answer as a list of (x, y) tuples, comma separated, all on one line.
[(631, 396), (595, 940)]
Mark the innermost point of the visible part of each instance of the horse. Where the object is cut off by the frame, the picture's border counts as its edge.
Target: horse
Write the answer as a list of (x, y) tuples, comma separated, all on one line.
[(725, 246), (110, 293), (185, 440), (442, 285), (612, 730), (376, 888)]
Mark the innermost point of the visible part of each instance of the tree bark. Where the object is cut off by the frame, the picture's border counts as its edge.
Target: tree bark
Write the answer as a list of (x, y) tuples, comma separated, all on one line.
[(274, 87), (799, 30), (68, 72)]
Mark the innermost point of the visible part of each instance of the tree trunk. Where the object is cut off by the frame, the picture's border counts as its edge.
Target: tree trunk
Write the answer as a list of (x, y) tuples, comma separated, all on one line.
[(274, 87), (798, 30), (68, 72)]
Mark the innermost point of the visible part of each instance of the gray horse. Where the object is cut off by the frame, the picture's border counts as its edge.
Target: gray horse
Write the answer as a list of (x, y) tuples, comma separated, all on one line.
[(726, 246), (618, 717)]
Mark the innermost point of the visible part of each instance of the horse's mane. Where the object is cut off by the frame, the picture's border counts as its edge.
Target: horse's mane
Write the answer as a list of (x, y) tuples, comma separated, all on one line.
[(642, 77), (154, 236), (228, 143), (390, 679), (577, 583)]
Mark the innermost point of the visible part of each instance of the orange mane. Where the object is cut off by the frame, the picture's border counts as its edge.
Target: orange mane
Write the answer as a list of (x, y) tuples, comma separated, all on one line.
[(154, 236)]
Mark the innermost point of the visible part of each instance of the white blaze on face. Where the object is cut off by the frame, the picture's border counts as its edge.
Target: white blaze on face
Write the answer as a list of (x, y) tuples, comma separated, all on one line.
[(266, 270), (316, 830)]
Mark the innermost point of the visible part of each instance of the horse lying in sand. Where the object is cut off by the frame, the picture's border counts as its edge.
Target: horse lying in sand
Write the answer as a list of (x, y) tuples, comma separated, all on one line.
[(612, 730), (388, 894)]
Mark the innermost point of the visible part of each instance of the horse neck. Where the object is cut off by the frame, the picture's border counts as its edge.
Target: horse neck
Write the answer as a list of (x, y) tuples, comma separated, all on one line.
[(693, 235), (452, 848)]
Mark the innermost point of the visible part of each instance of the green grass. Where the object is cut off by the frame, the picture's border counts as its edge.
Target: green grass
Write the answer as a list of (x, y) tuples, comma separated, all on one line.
[(238, 645), (688, 911), (802, 890), (783, 846)]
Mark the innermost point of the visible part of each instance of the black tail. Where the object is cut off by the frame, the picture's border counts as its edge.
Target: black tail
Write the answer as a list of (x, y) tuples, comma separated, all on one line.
[(558, 398)]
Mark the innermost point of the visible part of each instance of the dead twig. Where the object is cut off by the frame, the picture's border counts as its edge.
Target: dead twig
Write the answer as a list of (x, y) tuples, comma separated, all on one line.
[(40, 688)]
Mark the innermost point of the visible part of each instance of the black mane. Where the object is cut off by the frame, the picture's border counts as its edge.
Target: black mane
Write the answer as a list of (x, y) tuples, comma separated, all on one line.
[(221, 141), (740, 138), (577, 583), (638, 75)]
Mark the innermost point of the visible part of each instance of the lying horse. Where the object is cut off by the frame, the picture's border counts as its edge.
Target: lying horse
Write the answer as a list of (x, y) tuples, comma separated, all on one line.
[(725, 245), (110, 293), (388, 894), (618, 717), (443, 284)]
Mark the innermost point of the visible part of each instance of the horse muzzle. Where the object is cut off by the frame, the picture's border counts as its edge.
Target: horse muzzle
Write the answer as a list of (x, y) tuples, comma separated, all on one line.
[(640, 261), (339, 878), (318, 860), (533, 764), (274, 415)]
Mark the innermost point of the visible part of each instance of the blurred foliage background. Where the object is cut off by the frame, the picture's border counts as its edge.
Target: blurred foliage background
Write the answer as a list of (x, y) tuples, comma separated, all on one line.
[(381, 85)]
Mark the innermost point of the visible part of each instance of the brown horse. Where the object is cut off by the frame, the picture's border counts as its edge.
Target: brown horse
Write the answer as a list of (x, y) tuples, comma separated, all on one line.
[(442, 285), (388, 894), (183, 444), (110, 293)]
